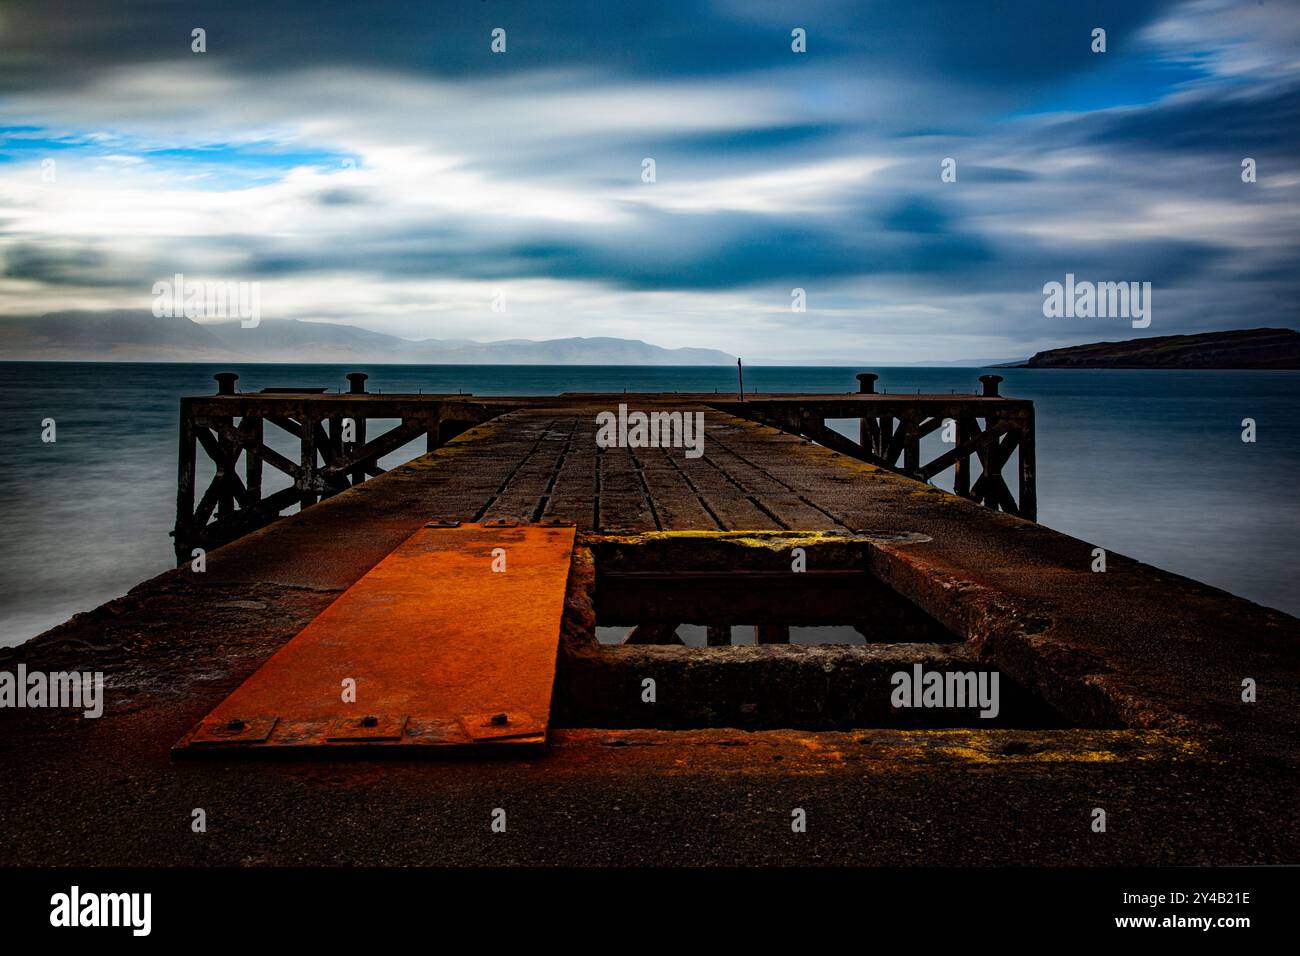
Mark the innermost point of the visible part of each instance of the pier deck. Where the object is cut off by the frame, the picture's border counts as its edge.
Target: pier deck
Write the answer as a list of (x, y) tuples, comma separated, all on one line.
[(1146, 668)]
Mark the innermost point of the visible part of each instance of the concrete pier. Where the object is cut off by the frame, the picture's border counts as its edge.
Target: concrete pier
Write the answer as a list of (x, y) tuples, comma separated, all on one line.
[(1124, 688)]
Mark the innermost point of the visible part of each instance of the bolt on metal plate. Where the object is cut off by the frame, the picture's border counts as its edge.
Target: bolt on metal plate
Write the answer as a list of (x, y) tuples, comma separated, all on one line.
[(367, 727), (500, 725), (234, 730)]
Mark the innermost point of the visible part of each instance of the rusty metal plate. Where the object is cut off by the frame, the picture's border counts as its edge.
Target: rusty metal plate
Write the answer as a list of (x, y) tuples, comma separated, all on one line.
[(432, 633), (234, 730), (501, 725)]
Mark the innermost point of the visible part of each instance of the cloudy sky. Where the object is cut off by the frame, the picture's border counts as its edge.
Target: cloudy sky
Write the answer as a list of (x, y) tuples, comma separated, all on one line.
[(384, 167)]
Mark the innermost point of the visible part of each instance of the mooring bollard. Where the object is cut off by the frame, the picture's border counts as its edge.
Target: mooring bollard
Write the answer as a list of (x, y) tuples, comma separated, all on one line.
[(358, 381), (226, 382), (866, 429), (990, 385)]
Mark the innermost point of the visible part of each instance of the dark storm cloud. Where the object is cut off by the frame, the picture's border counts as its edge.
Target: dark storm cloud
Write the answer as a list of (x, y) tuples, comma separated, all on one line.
[(667, 250), (61, 266), (1002, 44), (754, 142), (720, 251), (342, 197), (1231, 119)]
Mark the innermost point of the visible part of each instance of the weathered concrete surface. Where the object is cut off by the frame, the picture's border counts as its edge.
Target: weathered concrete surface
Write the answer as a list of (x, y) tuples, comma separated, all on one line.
[(1204, 779)]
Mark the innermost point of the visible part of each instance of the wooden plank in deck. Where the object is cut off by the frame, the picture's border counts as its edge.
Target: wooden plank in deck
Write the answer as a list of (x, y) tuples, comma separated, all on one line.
[(550, 467)]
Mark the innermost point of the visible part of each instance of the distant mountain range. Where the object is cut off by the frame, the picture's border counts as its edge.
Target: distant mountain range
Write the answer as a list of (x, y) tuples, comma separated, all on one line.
[(1242, 349), (138, 336)]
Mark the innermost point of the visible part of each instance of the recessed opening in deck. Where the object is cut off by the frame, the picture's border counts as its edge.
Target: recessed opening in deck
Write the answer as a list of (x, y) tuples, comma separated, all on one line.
[(734, 590), (762, 631), (744, 635)]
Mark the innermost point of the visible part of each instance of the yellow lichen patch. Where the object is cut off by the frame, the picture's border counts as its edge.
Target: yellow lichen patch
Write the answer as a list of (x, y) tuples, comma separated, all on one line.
[(770, 540), (1076, 746)]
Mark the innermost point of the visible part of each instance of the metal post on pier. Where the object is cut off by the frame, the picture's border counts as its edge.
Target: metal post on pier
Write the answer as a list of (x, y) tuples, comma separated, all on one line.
[(867, 434), (357, 386)]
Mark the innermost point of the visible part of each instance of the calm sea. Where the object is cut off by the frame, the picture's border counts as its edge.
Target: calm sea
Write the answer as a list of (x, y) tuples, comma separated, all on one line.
[(1150, 464)]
